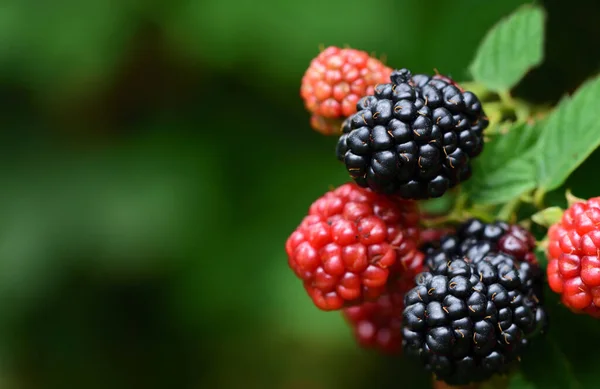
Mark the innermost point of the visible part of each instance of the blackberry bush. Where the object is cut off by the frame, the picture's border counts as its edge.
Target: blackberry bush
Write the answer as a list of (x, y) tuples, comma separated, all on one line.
[(463, 288)]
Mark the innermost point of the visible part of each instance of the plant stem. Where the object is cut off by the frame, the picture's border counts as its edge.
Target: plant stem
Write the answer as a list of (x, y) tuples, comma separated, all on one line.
[(572, 199), (509, 210), (479, 214), (527, 198), (538, 198), (507, 99), (478, 89), (521, 109)]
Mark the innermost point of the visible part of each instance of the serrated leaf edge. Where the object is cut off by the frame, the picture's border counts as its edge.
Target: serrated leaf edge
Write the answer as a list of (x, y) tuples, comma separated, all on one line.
[(490, 33)]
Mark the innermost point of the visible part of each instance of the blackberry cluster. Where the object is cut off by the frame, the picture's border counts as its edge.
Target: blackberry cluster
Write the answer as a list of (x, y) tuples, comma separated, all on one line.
[(415, 136), (467, 321)]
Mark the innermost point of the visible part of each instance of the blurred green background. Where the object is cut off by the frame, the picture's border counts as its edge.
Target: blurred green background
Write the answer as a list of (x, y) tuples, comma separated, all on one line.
[(155, 156)]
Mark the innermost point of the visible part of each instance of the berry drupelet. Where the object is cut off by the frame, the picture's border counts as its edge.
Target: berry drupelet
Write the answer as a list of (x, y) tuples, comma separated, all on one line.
[(414, 137)]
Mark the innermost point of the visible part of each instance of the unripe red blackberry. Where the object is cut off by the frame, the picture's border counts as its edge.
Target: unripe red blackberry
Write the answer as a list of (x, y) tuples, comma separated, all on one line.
[(351, 240), (378, 324), (574, 257), (334, 82)]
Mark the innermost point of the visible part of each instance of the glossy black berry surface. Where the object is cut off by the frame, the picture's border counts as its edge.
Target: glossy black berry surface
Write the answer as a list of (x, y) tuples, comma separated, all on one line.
[(475, 239), (414, 137), (467, 321)]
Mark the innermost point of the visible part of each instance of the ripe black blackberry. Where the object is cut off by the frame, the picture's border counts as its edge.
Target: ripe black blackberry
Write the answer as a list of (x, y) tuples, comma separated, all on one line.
[(467, 321), (414, 137), (475, 239)]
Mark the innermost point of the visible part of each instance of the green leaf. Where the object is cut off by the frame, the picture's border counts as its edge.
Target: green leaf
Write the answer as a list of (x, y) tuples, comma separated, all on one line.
[(500, 186), (505, 169), (70, 44), (437, 206), (510, 49), (563, 357), (571, 134), (547, 217)]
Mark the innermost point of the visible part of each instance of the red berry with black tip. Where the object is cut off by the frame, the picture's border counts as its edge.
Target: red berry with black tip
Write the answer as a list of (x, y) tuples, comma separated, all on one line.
[(334, 82), (350, 243), (574, 257)]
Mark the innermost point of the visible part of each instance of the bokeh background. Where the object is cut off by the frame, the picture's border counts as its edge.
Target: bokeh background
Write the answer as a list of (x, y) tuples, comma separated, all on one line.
[(155, 155)]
